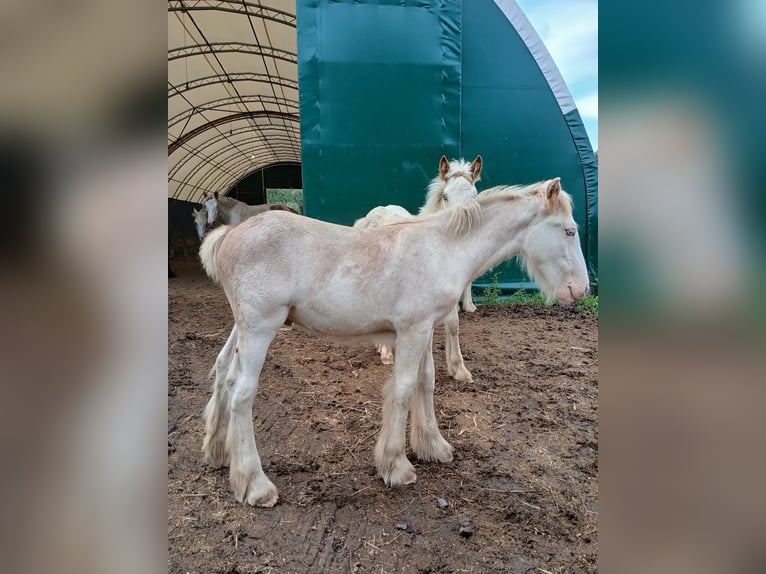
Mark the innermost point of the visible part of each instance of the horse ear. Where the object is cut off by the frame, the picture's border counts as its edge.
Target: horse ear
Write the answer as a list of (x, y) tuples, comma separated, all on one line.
[(194, 212), (551, 189), (476, 168), (443, 167)]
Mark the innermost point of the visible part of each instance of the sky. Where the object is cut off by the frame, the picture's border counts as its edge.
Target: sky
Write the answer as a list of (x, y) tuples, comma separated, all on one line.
[(569, 29)]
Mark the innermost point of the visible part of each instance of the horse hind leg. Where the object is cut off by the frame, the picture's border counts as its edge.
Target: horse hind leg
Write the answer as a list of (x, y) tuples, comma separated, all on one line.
[(248, 481), (468, 305), (455, 365), (216, 415), (386, 354), (425, 439)]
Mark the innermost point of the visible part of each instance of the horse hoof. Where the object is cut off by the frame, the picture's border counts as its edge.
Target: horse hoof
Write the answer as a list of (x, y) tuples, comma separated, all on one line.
[(260, 492), (408, 477), (469, 308), (463, 376), (265, 499), (398, 472)]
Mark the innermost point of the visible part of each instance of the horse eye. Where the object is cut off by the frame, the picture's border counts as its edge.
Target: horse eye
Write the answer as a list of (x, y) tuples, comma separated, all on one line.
[(570, 232)]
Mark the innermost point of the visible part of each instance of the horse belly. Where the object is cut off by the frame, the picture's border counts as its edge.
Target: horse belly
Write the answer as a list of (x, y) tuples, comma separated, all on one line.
[(339, 321)]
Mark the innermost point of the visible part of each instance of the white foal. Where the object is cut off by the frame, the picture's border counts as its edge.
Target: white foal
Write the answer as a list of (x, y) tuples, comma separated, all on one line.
[(391, 281)]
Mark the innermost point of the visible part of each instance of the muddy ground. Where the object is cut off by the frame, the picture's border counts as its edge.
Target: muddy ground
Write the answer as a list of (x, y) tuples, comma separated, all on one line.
[(525, 433)]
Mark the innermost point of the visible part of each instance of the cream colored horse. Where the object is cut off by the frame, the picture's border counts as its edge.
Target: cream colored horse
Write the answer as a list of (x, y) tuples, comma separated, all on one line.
[(200, 221), (455, 184), (229, 211), (392, 283)]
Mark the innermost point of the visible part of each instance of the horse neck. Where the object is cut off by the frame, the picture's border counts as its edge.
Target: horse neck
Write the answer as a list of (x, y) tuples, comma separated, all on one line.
[(227, 210), (499, 236)]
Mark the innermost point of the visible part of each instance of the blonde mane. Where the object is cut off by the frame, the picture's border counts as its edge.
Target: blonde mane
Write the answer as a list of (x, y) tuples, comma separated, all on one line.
[(465, 217)]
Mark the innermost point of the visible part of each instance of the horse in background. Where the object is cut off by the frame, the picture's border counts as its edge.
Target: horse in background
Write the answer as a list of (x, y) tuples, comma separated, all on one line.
[(230, 211), (389, 282), (455, 184), (200, 221)]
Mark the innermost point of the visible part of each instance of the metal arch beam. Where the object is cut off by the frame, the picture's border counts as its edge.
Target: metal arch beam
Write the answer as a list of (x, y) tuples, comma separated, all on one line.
[(210, 180), (196, 161), (173, 146), (282, 151), (236, 7), (214, 179), (230, 78), (241, 47), (245, 174), (214, 104), (248, 173), (199, 149)]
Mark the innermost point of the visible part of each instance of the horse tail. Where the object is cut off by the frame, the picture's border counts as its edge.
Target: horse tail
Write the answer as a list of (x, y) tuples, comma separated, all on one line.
[(208, 251)]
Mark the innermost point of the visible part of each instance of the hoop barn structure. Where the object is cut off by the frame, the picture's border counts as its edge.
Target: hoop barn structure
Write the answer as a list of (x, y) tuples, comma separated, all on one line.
[(358, 99)]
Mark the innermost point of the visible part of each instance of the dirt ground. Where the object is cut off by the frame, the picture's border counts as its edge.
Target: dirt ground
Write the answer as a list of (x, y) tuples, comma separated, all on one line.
[(523, 483)]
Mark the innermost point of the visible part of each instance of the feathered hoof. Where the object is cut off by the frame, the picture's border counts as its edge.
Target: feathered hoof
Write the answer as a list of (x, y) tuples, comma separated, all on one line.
[(215, 452), (255, 489), (460, 373), (398, 472), (434, 450)]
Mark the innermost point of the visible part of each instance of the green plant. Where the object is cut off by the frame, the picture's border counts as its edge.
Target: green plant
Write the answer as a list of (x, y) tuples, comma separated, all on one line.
[(491, 293), (589, 304)]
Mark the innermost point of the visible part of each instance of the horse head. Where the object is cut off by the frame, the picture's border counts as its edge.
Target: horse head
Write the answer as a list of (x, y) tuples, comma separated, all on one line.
[(552, 254), (200, 221), (455, 184), (211, 205)]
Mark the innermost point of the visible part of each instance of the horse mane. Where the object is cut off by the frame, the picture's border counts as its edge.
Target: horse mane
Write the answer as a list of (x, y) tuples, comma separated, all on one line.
[(465, 217), (434, 198), (512, 192)]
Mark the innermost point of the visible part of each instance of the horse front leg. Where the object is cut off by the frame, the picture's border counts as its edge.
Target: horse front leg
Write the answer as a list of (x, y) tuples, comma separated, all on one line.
[(425, 439), (468, 305), (455, 365), (248, 481), (390, 457)]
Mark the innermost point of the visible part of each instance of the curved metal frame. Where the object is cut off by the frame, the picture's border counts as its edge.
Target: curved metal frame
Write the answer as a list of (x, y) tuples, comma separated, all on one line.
[(275, 136), (173, 146), (224, 165), (199, 148), (213, 104), (248, 174), (236, 7), (207, 177), (230, 79), (241, 47)]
